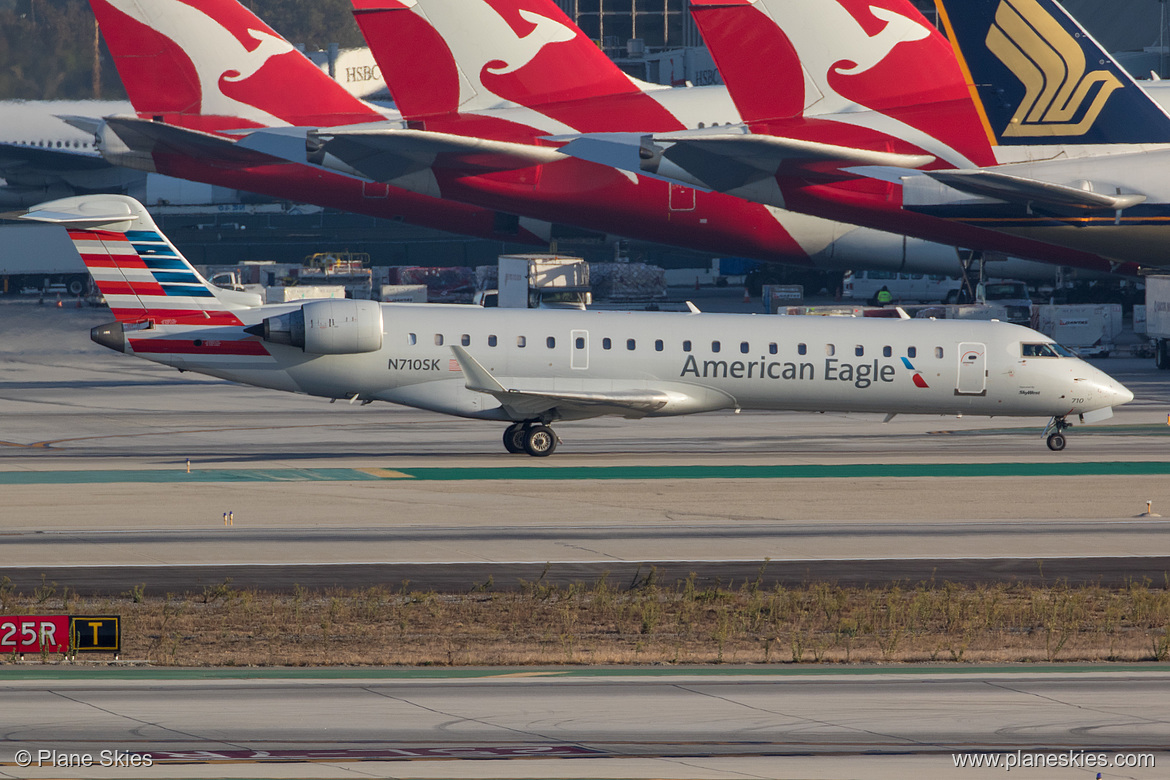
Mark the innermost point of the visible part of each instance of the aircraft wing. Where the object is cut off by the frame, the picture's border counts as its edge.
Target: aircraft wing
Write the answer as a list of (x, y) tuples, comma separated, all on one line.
[(144, 135), (1016, 189), (385, 154), (723, 161), (519, 402)]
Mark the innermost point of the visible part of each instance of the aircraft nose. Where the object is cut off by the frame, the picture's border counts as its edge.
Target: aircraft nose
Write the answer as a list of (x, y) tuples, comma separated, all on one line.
[(1123, 394), (1113, 391)]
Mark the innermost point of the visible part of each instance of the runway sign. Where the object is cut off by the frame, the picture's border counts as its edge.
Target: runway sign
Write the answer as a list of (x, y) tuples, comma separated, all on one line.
[(96, 633), (35, 633)]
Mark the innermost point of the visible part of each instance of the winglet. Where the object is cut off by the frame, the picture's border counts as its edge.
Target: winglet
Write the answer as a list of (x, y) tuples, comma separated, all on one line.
[(476, 377)]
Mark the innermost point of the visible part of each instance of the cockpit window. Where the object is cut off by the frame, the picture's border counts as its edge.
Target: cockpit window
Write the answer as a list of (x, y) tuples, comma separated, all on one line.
[(1045, 350)]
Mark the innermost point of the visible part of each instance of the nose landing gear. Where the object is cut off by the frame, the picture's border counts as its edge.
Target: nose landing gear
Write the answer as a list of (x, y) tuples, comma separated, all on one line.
[(1056, 439), (533, 437)]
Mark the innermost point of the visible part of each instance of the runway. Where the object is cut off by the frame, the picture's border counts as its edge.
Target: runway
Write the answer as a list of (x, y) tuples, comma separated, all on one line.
[(606, 723), (97, 496)]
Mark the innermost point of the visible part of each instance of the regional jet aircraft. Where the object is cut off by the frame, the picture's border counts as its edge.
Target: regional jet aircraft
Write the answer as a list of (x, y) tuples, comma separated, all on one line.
[(531, 368)]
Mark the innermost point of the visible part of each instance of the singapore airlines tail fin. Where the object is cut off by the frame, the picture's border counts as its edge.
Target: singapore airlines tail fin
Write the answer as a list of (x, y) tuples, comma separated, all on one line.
[(1038, 77), (142, 275), (442, 57), (784, 59), (213, 65)]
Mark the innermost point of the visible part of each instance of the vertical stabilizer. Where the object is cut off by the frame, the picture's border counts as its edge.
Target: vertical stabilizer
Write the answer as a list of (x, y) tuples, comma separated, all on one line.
[(839, 59), (136, 268), (212, 64), (1038, 77), (449, 56)]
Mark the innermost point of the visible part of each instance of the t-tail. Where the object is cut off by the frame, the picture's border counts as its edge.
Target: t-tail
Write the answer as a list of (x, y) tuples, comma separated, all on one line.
[(461, 56), (143, 277), (213, 65), (1038, 77)]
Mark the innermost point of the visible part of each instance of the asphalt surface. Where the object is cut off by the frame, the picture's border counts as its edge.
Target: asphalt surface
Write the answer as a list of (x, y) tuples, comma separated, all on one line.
[(664, 723), (97, 494)]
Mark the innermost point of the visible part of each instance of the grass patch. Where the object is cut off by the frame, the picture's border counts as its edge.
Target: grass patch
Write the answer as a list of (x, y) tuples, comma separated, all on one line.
[(639, 622)]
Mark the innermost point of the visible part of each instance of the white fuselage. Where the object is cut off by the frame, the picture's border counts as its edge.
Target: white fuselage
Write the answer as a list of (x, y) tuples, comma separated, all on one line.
[(697, 362)]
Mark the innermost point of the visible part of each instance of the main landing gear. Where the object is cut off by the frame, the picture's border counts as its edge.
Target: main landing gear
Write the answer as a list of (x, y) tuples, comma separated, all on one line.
[(535, 438), (1056, 440)]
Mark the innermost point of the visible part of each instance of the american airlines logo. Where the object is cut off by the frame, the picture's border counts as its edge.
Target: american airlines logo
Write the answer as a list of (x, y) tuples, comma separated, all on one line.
[(1060, 98)]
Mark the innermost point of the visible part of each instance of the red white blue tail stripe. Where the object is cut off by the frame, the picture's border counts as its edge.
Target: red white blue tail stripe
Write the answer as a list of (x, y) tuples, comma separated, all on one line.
[(143, 276)]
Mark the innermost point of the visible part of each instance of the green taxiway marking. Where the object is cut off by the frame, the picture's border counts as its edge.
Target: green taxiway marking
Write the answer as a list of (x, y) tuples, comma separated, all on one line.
[(819, 471), (181, 475), (541, 472), (59, 672)]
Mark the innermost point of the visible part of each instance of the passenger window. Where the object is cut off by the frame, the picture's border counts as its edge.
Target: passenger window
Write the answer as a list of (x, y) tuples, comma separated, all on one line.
[(606, 343), (714, 346), (773, 348), (438, 339), (580, 342), (411, 339), (743, 347), (912, 352), (687, 345), (465, 340), (802, 349), (830, 350), (551, 342), (859, 351), (887, 352), (658, 345), (491, 341), (521, 341), (630, 344), (938, 352)]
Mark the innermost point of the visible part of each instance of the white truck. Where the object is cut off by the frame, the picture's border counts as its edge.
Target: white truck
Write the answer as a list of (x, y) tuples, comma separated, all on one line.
[(40, 257), (539, 281), (1158, 318)]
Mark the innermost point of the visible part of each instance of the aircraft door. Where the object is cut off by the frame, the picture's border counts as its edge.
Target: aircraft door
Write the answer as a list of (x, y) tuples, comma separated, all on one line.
[(579, 344), (972, 379), (681, 197)]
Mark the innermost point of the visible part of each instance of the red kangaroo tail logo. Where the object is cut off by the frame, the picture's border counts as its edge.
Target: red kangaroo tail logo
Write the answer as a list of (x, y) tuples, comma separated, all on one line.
[(216, 58), (880, 55), (442, 57)]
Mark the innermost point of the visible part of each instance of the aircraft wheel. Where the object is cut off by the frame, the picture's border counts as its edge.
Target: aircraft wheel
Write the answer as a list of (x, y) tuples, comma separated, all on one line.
[(514, 438), (540, 441), (1056, 442)]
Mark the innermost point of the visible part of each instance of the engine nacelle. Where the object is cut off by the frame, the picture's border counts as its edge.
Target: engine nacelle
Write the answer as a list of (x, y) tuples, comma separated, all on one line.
[(330, 327)]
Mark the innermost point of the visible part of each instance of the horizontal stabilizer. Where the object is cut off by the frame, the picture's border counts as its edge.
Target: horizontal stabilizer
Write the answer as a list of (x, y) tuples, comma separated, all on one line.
[(144, 135), (722, 161), (1015, 189), (767, 151), (86, 124), (94, 213), (387, 154)]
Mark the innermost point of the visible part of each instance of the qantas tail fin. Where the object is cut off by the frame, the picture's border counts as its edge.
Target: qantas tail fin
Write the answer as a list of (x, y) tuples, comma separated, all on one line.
[(1039, 78), (139, 271), (783, 59), (212, 64), (447, 56)]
